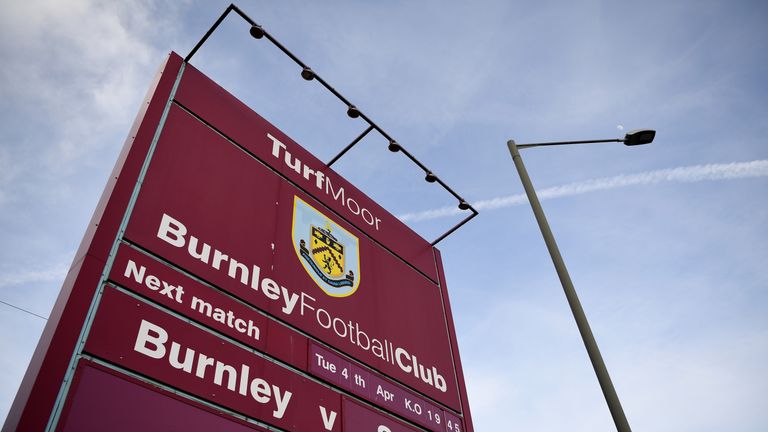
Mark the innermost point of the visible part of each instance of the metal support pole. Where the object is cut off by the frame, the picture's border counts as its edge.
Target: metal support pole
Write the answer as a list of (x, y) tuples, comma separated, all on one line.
[(614, 405)]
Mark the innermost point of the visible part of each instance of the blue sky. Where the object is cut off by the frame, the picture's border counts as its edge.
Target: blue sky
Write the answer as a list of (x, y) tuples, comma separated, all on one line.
[(666, 243)]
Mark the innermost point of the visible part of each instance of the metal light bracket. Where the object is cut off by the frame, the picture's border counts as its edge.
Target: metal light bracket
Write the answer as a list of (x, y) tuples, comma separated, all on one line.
[(309, 74)]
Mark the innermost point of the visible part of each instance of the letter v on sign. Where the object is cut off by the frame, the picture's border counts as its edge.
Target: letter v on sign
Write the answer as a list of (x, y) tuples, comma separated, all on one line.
[(328, 420)]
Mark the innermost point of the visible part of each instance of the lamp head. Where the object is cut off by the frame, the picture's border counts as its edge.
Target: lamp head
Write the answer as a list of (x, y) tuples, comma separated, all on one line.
[(353, 112), (256, 31), (307, 74), (639, 137)]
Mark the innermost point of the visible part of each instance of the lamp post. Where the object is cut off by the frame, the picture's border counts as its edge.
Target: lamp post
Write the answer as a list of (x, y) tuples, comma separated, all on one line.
[(637, 137)]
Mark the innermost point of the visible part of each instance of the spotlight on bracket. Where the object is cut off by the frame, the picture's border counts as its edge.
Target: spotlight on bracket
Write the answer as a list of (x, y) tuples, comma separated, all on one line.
[(353, 112), (307, 74), (463, 205), (257, 32), (393, 146), (430, 178)]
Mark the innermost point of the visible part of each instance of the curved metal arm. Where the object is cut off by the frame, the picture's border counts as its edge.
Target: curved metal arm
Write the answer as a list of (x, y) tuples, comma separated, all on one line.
[(556, 143)]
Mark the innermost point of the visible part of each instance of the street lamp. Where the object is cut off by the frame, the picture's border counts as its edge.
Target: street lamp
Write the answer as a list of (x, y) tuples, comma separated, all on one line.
[(636, 137)]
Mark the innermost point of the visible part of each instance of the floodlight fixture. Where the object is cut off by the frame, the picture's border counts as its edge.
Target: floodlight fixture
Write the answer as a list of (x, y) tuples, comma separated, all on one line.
[(353, 112), (256, 31), (307, 74)]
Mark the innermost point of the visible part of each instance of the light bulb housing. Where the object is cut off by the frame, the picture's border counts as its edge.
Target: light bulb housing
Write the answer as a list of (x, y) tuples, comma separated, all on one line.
[(256, 31), (353, 112), (307, 74)]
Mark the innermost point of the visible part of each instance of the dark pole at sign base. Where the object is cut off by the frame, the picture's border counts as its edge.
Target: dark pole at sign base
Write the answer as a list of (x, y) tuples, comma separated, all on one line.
[(614, 405)]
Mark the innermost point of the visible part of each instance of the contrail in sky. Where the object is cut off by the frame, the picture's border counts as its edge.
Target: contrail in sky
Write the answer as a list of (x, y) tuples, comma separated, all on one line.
[(694, 173)]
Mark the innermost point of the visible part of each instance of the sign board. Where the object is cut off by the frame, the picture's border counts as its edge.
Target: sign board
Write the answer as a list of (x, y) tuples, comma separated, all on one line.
[(231, 278)]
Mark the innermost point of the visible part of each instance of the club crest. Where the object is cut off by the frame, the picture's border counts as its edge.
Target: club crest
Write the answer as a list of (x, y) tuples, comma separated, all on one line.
[(328, 252)]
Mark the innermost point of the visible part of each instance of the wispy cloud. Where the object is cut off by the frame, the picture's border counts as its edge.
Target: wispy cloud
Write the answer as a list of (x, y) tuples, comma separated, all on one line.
[(54, 273), (686, 174), (98, 57)]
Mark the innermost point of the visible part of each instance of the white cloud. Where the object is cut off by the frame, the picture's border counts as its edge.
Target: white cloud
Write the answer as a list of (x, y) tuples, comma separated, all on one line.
[(41, 274), (7, 173), (695, 173), (82, 64), (488, 391), (715, 384)]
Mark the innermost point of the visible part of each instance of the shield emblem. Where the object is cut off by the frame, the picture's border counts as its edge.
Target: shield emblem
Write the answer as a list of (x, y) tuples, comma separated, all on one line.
[(327, 252)]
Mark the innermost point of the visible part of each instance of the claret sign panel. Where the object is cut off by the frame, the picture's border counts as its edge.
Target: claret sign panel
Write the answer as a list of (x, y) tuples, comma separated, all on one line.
[(231, 279)]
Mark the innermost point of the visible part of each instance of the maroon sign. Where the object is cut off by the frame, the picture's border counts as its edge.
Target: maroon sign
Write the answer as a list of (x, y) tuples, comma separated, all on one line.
[(370, 386), (248, 273), (47, 376), (361, 419), (453, 423), (102, 398), (158, 282), (144, 339), (211, 209), (208, 100)]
